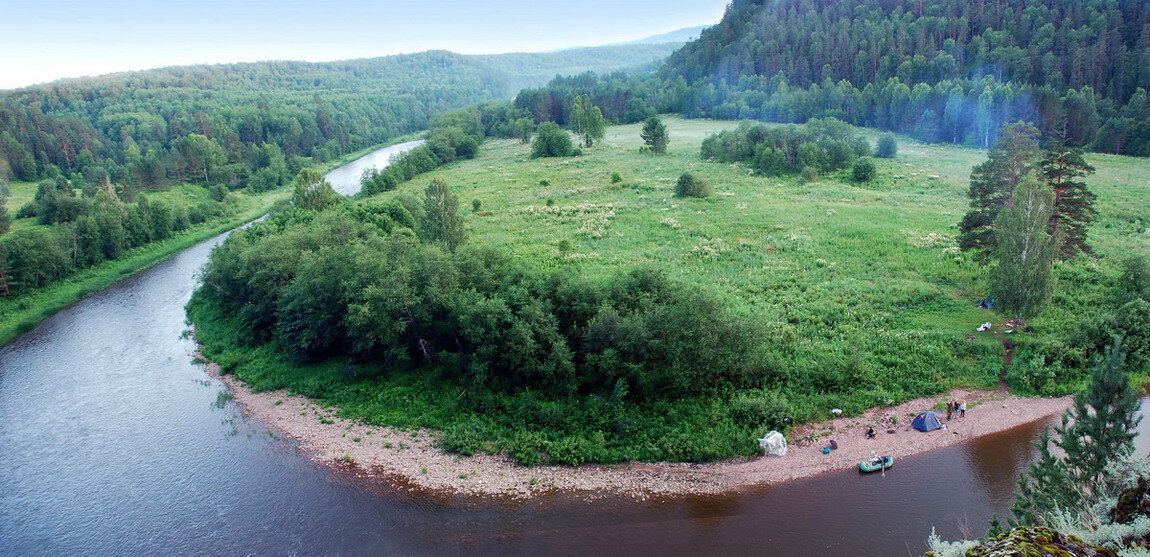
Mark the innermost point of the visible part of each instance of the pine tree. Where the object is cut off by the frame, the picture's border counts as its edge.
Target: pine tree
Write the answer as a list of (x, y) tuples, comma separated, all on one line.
[(442, 221), (1098, 430), (654, 134), (1073, 203), (992, 182), (1023, 279), (587, 120)]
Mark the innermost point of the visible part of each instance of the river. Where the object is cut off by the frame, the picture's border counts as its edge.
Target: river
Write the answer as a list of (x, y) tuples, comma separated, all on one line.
[(114, 442)]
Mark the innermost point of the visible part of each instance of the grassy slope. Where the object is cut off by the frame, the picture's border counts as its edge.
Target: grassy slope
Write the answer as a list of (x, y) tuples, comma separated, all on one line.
[(866, 270), (21, 314), (867, 299)]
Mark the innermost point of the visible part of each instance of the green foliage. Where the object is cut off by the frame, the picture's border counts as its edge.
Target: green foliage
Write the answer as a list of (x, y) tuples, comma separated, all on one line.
[(526, 447), (313, 192), (465, 438), (822, 144), (1097, 431), (1023, 280), (760, 409), (689, 185), (887, 147), (654, 134), (551, 141), (587, 120), (808, 175), (442, 221), (899, 68), (863, 170), (1073, 203), (5, 218), (992, 183)]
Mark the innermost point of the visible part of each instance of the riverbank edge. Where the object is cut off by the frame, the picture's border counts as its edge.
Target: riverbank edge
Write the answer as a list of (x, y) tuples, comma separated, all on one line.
[(409, 459), (48, 301)]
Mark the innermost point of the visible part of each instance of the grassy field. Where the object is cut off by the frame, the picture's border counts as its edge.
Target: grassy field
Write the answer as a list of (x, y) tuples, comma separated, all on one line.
[(864, 296), (867, 271)]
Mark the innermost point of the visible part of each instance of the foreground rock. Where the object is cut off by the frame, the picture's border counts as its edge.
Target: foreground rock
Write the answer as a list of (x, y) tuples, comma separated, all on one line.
[(411, 459), (1037, 542)]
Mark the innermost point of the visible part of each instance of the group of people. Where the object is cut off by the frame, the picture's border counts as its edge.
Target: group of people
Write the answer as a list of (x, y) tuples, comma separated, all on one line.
[(955, 407)]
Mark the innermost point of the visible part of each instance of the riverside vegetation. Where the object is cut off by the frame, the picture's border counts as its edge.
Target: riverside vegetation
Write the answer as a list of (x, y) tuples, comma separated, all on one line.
[(594, 316)]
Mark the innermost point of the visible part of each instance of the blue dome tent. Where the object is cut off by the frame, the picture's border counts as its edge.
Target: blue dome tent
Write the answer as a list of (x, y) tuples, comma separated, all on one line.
[(927, 421)]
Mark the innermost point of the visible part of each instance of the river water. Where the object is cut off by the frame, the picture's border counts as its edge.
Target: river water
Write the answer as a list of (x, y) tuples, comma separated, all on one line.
[(113, 442)]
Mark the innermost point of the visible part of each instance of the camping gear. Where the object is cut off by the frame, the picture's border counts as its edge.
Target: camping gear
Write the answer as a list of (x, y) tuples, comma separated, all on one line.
[(985, 326), (876, 464), (774, 444), (927, 421), (834, 445)]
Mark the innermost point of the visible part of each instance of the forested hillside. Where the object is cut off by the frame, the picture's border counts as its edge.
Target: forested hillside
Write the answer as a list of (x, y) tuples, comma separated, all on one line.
[(942, 70), (949, 71), (235, 123)]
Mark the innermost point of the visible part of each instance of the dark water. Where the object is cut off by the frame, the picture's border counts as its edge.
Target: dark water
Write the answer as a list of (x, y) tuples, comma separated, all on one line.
[(112, 443)]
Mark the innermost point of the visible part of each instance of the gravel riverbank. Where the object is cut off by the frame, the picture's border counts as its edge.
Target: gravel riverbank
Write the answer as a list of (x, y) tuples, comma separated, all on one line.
[(412, 457)]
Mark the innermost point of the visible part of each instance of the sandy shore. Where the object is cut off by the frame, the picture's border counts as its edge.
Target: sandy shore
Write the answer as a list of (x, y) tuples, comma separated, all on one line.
[(411, 458)]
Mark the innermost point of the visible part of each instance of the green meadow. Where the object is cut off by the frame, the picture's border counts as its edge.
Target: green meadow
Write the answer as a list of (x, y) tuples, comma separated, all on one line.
[(864, 297), (867, 272)]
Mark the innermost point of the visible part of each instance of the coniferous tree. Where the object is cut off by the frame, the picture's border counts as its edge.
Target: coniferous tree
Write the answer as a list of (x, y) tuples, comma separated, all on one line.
[(1097, 431), (442, 221), (992, 183), (654, 134), (1073, 203), (1023, 280)]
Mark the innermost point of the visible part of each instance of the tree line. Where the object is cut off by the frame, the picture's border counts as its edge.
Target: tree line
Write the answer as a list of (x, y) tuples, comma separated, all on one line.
[(939, 70), (394, 284)]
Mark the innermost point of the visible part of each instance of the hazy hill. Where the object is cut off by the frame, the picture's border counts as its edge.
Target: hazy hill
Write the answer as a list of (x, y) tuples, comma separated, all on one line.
[(127, 124)]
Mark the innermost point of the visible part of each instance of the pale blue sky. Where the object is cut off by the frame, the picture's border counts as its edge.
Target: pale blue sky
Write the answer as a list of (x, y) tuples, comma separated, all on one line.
[(42, 41)]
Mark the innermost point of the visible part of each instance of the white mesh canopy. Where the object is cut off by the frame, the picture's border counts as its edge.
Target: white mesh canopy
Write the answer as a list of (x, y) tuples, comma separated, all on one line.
[(774, 444)]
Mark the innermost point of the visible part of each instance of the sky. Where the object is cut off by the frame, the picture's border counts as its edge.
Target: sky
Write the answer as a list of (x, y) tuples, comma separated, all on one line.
[(43, 41)]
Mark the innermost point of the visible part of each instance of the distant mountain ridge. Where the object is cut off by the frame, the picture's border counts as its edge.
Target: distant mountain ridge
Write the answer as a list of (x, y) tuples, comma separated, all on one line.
[(685, 35), (128, 125)]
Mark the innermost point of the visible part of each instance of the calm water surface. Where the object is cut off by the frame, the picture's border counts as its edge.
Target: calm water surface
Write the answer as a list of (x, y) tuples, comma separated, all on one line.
[(113, 442)]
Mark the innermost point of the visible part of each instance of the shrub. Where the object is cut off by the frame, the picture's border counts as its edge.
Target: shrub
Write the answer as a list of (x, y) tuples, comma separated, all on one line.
[(526, 448), (465, 439), (574, 450), (887, 147), (691, 186), (616, 178), (551, 141), (863, 169), (476, 205), (760, 409), (809, 175)]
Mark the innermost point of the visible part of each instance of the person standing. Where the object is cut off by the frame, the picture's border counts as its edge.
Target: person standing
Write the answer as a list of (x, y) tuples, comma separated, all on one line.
[(962, 409), (949, 409)]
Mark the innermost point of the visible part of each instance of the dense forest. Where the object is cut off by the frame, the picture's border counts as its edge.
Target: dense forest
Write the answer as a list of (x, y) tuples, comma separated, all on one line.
[(231, 123), (97, 143), (940, 70)]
